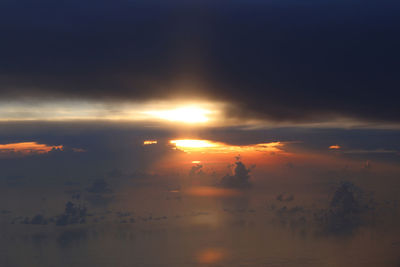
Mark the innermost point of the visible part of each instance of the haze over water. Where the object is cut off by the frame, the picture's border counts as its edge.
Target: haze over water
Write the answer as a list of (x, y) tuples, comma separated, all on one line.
[(199, 133)]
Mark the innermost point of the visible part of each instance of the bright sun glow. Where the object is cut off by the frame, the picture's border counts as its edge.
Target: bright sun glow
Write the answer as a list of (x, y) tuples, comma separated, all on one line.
[(192, 145), (149, 142), (188, 143), (184, 114)]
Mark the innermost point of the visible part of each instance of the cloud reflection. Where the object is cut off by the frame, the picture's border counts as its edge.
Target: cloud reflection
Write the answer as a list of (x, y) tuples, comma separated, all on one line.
[(208, 191), (211, 255)]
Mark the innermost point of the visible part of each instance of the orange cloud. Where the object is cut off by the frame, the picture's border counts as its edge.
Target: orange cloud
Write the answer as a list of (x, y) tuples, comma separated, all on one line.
[(334, 147), (78, 149), (149, 142), (27, 148), (192, 145)]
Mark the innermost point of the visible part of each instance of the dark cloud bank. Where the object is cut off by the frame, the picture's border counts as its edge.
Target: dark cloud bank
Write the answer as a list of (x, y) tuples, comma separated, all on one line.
[(284, 60)]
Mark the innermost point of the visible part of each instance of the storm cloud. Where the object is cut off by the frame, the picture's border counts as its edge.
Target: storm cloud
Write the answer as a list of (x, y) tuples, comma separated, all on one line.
[(280, 60)]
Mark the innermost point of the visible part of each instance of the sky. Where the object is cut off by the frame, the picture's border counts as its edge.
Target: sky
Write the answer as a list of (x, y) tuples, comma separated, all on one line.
[(199, 133)]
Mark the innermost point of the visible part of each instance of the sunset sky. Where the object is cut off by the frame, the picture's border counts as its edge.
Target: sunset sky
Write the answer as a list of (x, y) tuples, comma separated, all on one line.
[(199, 133)]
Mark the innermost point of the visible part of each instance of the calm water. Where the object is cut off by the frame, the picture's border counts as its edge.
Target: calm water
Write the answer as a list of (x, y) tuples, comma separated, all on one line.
[(154, 227)]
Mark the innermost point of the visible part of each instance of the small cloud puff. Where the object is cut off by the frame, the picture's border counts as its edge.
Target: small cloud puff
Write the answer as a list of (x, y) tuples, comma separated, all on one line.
[(240, 178)]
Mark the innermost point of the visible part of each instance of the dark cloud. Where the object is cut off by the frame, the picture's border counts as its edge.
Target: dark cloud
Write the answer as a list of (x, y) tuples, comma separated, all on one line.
[(196, 170), (115, 152), (99, 186), (73, 214), (239, 179), (349, 208), (282, 60), (38, 219), (111, 153), (284, 197), (100, 193)]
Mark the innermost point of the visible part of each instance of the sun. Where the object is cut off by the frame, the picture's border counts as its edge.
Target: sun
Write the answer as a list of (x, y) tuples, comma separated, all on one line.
[(183, 114)]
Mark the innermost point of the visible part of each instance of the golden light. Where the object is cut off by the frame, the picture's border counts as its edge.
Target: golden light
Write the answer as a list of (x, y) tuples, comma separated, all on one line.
[(209, 191), (193, 145), (211, 255), (184, 114), (174, 191), (190, 143), (26, 148), (334, 147), (196, 161), (150, 142), (188, 111)]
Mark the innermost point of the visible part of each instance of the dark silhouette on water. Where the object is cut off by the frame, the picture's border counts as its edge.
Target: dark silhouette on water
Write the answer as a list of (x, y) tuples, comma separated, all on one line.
[(347, 210), (240, 178)]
